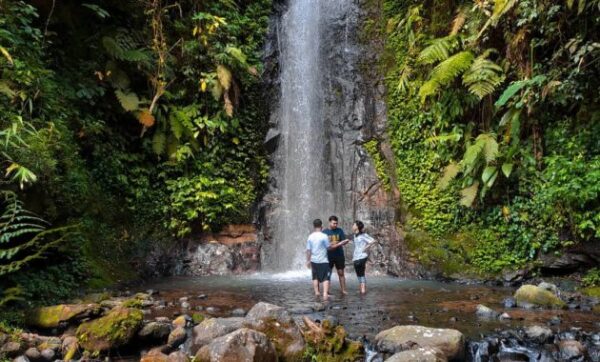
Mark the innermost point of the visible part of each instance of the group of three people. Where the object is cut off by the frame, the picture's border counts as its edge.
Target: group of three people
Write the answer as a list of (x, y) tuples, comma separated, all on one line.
[(325, 250)]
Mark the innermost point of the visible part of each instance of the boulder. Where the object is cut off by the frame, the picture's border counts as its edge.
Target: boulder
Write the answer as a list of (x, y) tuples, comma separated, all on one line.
[(286, 336), (177, 337), (33, 354), (262, 310), (48, 354), (539, 334), (243, 345), (549, 287), (11, 349), (155, 355), (571, 350), (178, 356), (54, 316), (485, 312), (528, 296), (450, 342), (155, 332), (420, 354), (212, 328), (21, 359), (115, 329)]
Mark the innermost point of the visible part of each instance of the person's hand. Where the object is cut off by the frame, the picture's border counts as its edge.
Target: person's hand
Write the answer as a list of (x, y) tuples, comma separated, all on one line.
[(308, 264), (344, 242)]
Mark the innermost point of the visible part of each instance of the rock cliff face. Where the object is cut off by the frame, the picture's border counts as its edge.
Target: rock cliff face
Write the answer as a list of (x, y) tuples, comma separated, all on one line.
[(354, 113)]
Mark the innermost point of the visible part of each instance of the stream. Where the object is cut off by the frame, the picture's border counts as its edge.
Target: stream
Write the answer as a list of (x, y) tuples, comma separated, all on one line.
[(389, 302)]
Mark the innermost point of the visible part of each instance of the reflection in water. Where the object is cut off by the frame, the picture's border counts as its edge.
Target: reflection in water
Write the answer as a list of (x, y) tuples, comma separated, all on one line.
[(390, 301)]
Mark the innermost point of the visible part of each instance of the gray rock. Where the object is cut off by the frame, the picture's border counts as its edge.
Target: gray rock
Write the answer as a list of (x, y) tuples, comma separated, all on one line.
[(176, 337), (185, 305), (450, 342), (319, 307), (212, 310), (48, 354), (419, 354), (212, 328), (33, 354), (242, 345), (301, 310), (21, 359), (155, 331), (504, 316), (540, 334), (178, 356), (509, 302), (238, 312), (264, 310), (549, 287), (486, 312)]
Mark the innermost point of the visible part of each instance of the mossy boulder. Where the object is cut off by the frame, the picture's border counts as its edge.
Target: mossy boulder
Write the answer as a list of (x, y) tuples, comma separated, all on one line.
[(54, 316), (592, 292), (528, 296), (327, 343), (113, 330), (243, 344)]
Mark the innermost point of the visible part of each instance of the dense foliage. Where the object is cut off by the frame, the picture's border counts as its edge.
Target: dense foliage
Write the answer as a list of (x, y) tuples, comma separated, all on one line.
[(122, 126), (495, 122)]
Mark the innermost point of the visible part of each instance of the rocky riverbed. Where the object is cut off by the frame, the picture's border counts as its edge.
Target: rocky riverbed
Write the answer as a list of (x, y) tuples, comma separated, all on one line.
[(269, 318)]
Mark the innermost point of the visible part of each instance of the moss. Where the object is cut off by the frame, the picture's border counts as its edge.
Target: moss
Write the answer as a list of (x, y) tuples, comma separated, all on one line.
[(111, 331), (197, 318), (592, 292), (332, 345), (532, 295), (276, 332), (132, 303), (372, 148), (52, 317)]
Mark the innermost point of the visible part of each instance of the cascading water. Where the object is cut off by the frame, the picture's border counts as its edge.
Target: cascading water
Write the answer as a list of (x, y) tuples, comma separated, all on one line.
[(326, 103), (301, 152)]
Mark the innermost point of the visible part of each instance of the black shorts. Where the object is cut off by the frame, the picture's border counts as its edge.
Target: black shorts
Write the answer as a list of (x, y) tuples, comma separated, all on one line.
[(338, 261), (360, 266), (320, 271)]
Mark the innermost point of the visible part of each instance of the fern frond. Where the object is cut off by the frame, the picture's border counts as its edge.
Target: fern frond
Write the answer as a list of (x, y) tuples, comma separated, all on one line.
[(158, 143), (129, 101), (483, 77), (438, 50), (449, 69)]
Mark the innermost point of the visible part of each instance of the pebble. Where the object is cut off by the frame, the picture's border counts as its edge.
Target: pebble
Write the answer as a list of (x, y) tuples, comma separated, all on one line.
[(505, 316), (48, 354), (509, 303), (212, 309), (238, 312), (185, 305), (202, 296)]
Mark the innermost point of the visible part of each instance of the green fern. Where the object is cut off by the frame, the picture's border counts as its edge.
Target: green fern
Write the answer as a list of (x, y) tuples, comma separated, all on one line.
[(483, 77), (446, 72), (129, 100), (159, 143), (468, 194), (439, 50)]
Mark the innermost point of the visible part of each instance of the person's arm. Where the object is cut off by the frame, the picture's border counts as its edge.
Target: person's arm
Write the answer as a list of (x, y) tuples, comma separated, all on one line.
[(370, 244), (308, 254)]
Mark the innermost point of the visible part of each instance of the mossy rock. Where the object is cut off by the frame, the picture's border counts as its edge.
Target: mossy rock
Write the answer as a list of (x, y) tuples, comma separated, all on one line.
[(52, 317), (113, 330), (592, 292), (197, 318), (332, 346), (132, 303), (532, 296), (286, 337)]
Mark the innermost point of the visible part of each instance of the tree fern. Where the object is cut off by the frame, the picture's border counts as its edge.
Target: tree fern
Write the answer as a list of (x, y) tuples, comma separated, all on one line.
[(483, 77), (439, 50)]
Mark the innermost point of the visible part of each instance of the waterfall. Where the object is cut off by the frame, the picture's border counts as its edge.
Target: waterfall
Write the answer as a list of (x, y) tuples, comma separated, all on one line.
[(301, 152), (327, 100)]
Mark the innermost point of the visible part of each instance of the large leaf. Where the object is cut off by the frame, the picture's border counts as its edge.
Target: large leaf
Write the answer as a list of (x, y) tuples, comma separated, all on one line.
[(489, 176), (129, 100), (449, 174), (224, 76), (507, 169), (468, 194)]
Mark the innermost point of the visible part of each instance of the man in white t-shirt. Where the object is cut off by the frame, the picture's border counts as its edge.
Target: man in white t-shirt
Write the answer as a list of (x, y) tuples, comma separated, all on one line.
[(316, 257)]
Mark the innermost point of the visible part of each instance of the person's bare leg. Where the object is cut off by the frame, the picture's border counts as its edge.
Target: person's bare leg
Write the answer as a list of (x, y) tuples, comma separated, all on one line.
[(326, 290), (316, 287), (363, 288), (342, 279)]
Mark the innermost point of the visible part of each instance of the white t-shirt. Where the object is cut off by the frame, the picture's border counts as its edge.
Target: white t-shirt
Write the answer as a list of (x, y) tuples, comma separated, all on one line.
[(360, 243), (318, 243)]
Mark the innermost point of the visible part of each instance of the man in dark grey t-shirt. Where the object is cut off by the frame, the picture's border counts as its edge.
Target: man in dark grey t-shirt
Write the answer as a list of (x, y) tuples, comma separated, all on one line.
[(336, 256)]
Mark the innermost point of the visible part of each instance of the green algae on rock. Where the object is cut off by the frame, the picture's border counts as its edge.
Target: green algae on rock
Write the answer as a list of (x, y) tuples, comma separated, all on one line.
[(53, 316), (111, 331), (528, 296)]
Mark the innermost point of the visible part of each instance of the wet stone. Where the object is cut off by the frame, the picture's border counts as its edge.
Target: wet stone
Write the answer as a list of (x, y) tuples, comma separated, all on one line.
[(238, 312), (509, 303)]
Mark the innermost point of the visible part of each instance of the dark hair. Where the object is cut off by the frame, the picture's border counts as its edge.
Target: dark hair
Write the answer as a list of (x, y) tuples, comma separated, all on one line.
[(360, 225), (317, 223), (333, 218)]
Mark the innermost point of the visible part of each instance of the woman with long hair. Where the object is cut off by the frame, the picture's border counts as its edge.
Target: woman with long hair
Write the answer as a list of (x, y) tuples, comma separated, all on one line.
[(362, 243)]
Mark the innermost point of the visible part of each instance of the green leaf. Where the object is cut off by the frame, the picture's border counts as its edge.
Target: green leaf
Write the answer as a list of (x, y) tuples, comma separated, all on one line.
[(509, 92), (507, 169), (159, 143), (489, 176), (237, 54), (449, 174), (129, 101)]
